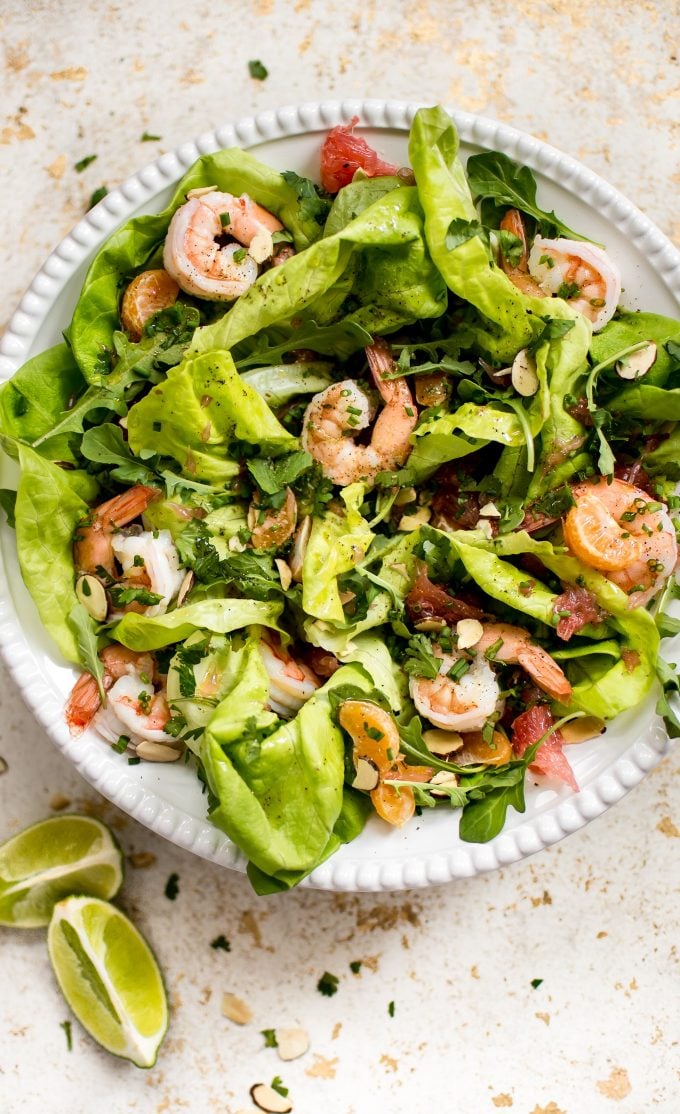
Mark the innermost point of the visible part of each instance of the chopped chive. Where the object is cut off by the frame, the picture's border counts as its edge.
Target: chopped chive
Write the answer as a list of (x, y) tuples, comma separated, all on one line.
[(147, 137), (83, 163)]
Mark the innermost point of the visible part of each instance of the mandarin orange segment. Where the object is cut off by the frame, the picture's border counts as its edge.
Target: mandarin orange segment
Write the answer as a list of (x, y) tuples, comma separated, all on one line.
[(396, 806), (596, 538), (373, 731), (147, 294), (496, 753)]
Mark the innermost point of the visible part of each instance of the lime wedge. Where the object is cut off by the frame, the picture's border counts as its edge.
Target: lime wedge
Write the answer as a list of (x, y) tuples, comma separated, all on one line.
[(60, 856), (109, 977)]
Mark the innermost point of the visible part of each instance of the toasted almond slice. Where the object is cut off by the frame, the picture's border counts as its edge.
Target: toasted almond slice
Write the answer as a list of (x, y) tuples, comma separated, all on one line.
[(410, 522), (261, 246), (285, 574), (430, 624), (442, 742), (236, 1009), (201, 191), (367, 776), (235, 545), (581, 729), (300, 540), (270, 1100), (490, 510), (405, 495), (637, 363), (469, 632), (443, 777), (484, 527), (524, 377), (156, 752), (291, 1043), (92, 595), (185, 587)]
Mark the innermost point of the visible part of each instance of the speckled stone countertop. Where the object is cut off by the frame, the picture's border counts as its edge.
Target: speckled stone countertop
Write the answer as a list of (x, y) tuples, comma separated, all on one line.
[(594, 918)]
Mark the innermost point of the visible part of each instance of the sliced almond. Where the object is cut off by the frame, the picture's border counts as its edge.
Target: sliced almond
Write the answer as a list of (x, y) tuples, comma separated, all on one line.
[(405, 495), (637, 363), (92, 595), (367, 775), (443, 777), (236, 1009), (185, 587), (285, 574), (270, 1100), (291, 1043), (484, 527), (235, 545), (261, 247), (524, 377), (156, 752), (410, 522), (442, 742), (581, 729), (201, 191), (469, 632), (300, 546), (430, 624), (490, 510), (347, 597)]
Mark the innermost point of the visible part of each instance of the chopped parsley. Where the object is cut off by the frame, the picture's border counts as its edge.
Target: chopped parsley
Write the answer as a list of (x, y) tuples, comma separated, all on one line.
[(83, 163), (536, 983), (96, 196), (270, 1040), (257, 70), (390, 1009), (277, 1085), (355, 966), (66, 1026), (220, 943), (328, 984)]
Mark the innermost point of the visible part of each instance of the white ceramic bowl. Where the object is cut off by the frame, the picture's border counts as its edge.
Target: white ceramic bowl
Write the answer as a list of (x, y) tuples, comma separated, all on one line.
[(168, 799)]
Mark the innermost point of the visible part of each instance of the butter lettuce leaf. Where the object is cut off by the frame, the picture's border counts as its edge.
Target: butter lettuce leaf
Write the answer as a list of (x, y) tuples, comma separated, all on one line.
[(281, 796), (197, 414), (220, 616), (336, 544)]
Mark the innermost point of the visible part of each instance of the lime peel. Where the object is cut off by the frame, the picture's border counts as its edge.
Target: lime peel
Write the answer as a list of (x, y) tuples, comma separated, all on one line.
[(109, 977), (52, 859)]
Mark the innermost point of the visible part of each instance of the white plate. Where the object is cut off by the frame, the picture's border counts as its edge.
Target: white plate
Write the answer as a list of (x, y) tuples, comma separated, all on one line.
[(168, 799)]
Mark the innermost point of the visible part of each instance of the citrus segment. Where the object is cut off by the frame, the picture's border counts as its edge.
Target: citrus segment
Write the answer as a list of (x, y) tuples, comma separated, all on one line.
[(594, 535), (109, 977), (56, 857)]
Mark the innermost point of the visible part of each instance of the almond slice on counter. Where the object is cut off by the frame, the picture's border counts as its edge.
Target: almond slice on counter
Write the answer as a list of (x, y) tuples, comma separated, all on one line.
[(236, 1009), (291, 1043), (270, 1100)]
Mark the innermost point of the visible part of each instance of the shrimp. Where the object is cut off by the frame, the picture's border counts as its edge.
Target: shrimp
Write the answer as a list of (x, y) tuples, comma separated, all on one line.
[(518, 271), (134, 709), (616, 528), (291, 683), (462, 705), (276, 527), (93, 539), (339, 413), (154, 556), (466, 703), (85, 698), (195, 256), (581, 273), (376, 739), (148, 293)]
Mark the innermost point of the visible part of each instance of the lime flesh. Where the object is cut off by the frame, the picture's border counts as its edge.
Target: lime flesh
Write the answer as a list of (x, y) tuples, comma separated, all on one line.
[(56, 857), (109, 977)]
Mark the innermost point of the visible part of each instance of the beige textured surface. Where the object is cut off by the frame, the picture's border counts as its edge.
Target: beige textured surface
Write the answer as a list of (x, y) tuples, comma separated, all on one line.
[(596, 917)]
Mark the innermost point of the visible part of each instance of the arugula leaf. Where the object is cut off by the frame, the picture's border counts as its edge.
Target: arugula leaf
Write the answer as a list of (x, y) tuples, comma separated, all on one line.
[(493, 176), (83, 626), (670, 684), (105, 444), (272, 476), (340, 339), (483, 819)]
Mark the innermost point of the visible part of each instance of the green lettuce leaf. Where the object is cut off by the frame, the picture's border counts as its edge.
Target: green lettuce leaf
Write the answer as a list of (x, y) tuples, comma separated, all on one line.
[(48, 510), (394, 280), (437, 440), (281, 796), (143, 632), (198, 412), (282, 382), (36, 397), (336, 544), (627, 329), (137, 243)]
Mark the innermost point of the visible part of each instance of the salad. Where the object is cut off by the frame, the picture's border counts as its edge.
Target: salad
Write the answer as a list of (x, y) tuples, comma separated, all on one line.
[(358, 496)]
